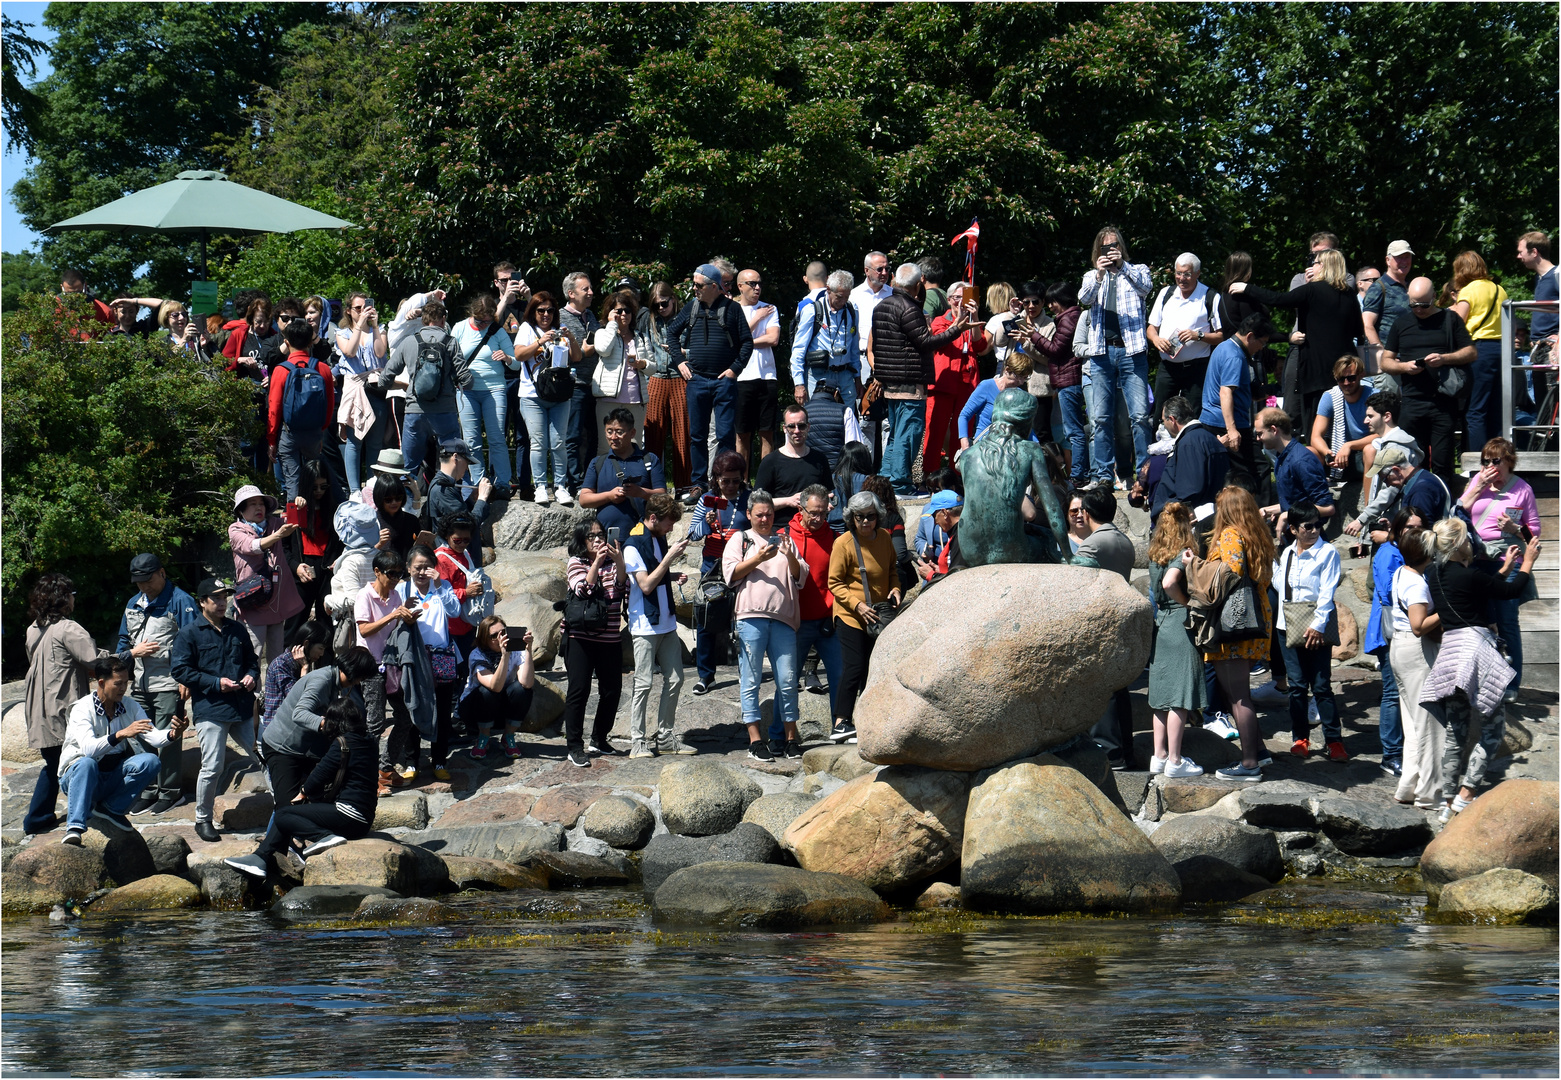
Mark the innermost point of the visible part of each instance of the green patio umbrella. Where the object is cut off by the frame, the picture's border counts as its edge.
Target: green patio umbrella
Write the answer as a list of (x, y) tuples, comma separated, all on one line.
[(198, 201)]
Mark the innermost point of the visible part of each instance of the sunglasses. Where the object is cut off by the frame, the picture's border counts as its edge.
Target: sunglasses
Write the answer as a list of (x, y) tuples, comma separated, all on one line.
[(546, 310), (1306, 526), (1349, 378), (1492, 460), (868, 515), (663, 303), (393, 575), (796, 427), (750, 284), (1421, 305)]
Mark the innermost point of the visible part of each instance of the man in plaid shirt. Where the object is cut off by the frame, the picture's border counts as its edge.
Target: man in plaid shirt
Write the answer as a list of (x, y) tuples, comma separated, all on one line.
[(1114, 292)]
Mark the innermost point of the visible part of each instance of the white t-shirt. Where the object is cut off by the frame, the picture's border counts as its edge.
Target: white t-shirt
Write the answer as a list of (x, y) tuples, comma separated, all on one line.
[(527, 335), (761, 365), (1173, 312), (481, 665), (1408, 588), (864, 300), (639, 625)]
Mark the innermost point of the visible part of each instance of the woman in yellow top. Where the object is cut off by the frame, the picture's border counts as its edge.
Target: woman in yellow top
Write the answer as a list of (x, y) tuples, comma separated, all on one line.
[(1243, 543), (853, 607), (1479, 306)]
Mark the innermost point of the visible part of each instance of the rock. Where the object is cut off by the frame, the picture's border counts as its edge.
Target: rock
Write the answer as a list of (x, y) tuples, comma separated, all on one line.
[(814, 720), (939, 896), (1517, 739), (242, 812), (565, 804), (538, 574), (888, 830), (574, 869), (547, 705), (1359, 827), (536, 614), (1039, 836), (976, 673), (409, 909), (13, 737), (406, 869), (838, 759), (1501, 895), (403, 810), (1091, 760), (773, 813), (488, 809), (1207, 880), (666, 854), (526, 526), (1348, 647), (507, 843), (493, 874), (155, 893), (1248, 849), (820, 784), (1278, 804), (47, 872), (1513, 826), (126, 857), (704, 798), (1189, 794), (221, 885), (170, 852), (311, 900), (622, 822), (764, 897)]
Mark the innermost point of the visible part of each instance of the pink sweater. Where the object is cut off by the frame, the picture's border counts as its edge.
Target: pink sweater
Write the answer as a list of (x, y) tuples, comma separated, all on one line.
[(767, 591), (1489, 506)]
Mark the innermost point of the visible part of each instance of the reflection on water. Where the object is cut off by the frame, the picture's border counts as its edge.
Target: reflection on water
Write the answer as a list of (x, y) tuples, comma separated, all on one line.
[(1243, 990)]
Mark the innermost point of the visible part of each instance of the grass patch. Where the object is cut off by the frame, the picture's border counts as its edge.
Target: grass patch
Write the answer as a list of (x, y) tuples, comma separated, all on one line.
[(612, 939), (1316, 918)]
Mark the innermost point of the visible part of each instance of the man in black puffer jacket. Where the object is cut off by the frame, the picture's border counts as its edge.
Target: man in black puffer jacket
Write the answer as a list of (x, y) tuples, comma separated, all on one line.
[(900, 350), (710, 342)]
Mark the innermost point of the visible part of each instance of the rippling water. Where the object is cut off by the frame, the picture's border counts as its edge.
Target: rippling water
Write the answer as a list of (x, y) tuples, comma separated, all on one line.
[(1368, 986)]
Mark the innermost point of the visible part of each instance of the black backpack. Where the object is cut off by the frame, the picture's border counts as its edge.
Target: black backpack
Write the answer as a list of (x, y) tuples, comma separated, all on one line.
[(819, 358), (429, 370)]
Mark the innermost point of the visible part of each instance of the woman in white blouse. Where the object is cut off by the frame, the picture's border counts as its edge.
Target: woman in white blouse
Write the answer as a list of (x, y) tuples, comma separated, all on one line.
[(1308, 570), (1412, 649), (618, 381), (540, 344)]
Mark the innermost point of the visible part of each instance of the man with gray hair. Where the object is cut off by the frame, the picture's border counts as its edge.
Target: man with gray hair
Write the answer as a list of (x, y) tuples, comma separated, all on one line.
[(577, 320), (866, 296), (710, 342), (900, 348), (825, 348), (1185, 326)]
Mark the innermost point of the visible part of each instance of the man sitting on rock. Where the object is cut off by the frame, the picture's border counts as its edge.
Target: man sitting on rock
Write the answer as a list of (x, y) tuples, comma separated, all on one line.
[(295, 740), (99, 773), (1108, 548), (945, 508)]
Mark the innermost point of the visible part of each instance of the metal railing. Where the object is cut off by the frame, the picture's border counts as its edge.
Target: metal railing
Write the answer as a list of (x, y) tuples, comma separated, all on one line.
[(1545, 431)]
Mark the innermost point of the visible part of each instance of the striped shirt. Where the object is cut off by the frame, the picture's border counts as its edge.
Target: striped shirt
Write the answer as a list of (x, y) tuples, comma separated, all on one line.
[(579, 570)]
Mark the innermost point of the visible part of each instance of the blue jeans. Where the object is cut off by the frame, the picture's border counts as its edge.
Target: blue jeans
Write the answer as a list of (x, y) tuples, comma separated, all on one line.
[(419, 429), (1511, 633), (810, 633), (292, 450), (1390, 730), (1309, 669), (581, 440), (842, 379), (907, 424), (116, 787), (710, 399), (1482, 420), (479, 410), (1112, 371), (755, 639), (1076, 426), (547, 425), (356, 452)]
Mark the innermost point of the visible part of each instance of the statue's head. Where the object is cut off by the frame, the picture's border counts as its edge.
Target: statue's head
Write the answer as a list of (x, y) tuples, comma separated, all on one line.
[(1014, 407)]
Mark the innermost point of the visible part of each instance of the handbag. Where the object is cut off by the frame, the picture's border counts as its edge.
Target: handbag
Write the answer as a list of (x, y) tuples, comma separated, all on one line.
[(885, 610), (588, 612), (554, 385), (345, 634), (1299, 614), (1241, 617), (254, 593), (445, 663)]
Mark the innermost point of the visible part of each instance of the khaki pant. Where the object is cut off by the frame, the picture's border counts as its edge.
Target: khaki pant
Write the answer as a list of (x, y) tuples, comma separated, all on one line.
[(656, 650)]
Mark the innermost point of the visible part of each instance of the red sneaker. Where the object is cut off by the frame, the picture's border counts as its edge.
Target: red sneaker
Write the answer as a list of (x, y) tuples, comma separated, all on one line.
[(1300, 748), (1336, 752)]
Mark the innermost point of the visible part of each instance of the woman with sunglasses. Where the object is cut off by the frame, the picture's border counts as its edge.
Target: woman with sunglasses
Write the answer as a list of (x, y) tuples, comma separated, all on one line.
[(666, 407), (864, 555), (618, 381), (1339, 431), (182, 332), (718, 516), (541, 344), (1502, 505), (1308, 570)]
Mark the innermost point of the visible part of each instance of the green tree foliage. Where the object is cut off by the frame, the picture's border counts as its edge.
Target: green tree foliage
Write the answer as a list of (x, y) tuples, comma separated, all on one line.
[(112, 445), (19, 51), (291, 264), (24, 273), (138, 92)]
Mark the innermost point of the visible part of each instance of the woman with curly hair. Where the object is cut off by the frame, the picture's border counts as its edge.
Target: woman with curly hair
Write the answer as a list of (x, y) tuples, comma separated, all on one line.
[(1176, 689), (60, 654), (1243, 543)]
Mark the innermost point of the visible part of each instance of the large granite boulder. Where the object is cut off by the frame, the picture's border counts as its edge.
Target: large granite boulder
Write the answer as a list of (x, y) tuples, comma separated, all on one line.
[(775, 813), (514, 843), (491, 874), (762, 896), (835, 759), (13, 737), (1513, 826), (1503, 896), (620, 821), (1039, 836), (1277, 804), (525, 526), (889, 829), (170, 852), (155, 893), (1255, 851), (308, 901), (407, 869), (1360, 826), (47, 872), (999, 662), (703, 798), (666, 854)]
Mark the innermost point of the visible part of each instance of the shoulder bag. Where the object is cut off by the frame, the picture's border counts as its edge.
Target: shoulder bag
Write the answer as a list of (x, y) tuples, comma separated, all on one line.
[(885, 610), (254, 593), (588, 612), (1299, 614)]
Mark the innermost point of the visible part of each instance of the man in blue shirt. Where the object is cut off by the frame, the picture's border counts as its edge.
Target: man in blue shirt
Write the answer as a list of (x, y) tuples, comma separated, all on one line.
[(1534, 253), (617, 484), (826, 346), (1419, 490), (1227, 397), (1299, 476)]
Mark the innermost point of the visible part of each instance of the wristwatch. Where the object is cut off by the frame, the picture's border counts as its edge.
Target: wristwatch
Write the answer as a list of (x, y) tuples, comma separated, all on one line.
[(1200, 335)]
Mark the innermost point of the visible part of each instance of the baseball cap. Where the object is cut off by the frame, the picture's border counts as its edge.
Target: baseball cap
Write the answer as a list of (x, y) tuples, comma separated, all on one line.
[(1400, 247), (944, 500), (142, 567), (456, 446), (213, 585), (709, 271), (1387, 458)]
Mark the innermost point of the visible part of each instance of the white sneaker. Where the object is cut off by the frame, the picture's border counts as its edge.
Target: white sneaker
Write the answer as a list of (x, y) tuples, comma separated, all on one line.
[(1222, 727), (1156, 765), (542, 497), (563, 496), (1269, 694), (1184, 767)]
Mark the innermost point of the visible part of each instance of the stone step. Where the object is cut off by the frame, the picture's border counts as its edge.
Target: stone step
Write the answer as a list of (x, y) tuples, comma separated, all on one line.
[(1529, 461), (1539, 615), (1540, 647), (1548, 582), (1545, 677)]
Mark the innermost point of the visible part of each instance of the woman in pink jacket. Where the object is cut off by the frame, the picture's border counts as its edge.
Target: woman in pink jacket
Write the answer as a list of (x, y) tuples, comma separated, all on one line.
[(256, 536)]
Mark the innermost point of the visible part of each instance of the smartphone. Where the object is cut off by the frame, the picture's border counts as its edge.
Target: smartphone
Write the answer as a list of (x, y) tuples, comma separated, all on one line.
[(613, 533), (369, 303), (293, 517)]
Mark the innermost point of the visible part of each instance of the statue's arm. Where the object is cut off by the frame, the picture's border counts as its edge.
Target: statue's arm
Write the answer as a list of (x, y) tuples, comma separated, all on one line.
[(1045, 496)]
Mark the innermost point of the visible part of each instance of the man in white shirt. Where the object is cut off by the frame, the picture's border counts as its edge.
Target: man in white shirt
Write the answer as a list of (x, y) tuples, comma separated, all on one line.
[(756, 382), (653, 625), (875, 287), (1185, 326)]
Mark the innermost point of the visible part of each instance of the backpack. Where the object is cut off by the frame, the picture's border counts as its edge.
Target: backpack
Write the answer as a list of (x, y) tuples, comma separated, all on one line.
[(819, 358), (710, 314), (303, 396), (428, 370)]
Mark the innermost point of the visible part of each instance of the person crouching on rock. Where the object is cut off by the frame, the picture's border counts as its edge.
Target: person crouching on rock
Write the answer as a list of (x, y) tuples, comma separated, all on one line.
[(338, 800), (98, 771), (297, 740), (503, 674)]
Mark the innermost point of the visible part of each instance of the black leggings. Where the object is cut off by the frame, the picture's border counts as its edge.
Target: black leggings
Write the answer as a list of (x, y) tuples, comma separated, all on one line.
[(582, 659), (308, 822), (287, 773), (444, 700), (506, 708), (856, 649)]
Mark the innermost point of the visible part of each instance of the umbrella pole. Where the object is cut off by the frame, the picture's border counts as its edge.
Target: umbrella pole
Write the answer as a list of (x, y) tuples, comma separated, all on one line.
[(203, 256)]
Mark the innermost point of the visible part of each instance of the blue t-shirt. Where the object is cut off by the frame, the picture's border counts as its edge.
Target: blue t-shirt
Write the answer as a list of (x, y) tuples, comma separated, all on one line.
[(487, 373), (1426, 494), (1299, 477), (1354, 414), (1228, 367), (607, 472), (1543, 323)]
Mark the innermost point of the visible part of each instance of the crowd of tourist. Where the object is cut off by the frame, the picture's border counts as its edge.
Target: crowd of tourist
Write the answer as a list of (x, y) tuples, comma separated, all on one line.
[(358, 623)]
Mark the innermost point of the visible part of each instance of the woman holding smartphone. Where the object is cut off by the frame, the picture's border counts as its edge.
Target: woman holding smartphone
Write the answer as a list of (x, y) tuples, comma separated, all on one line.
[(503, 675), (1505, 515), (539, 345), (596, 571)]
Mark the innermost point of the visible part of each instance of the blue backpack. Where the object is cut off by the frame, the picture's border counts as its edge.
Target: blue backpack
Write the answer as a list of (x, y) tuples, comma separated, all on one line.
[(303, 397)]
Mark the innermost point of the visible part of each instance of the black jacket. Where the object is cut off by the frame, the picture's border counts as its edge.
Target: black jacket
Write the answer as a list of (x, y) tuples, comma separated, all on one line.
[(202, 656), (360, 786), (902, 343), (444, 497), (1195, 471), (711, 340)]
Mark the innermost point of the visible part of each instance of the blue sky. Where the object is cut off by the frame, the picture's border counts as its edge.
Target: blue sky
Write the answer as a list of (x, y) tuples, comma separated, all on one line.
[(14, 236)]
